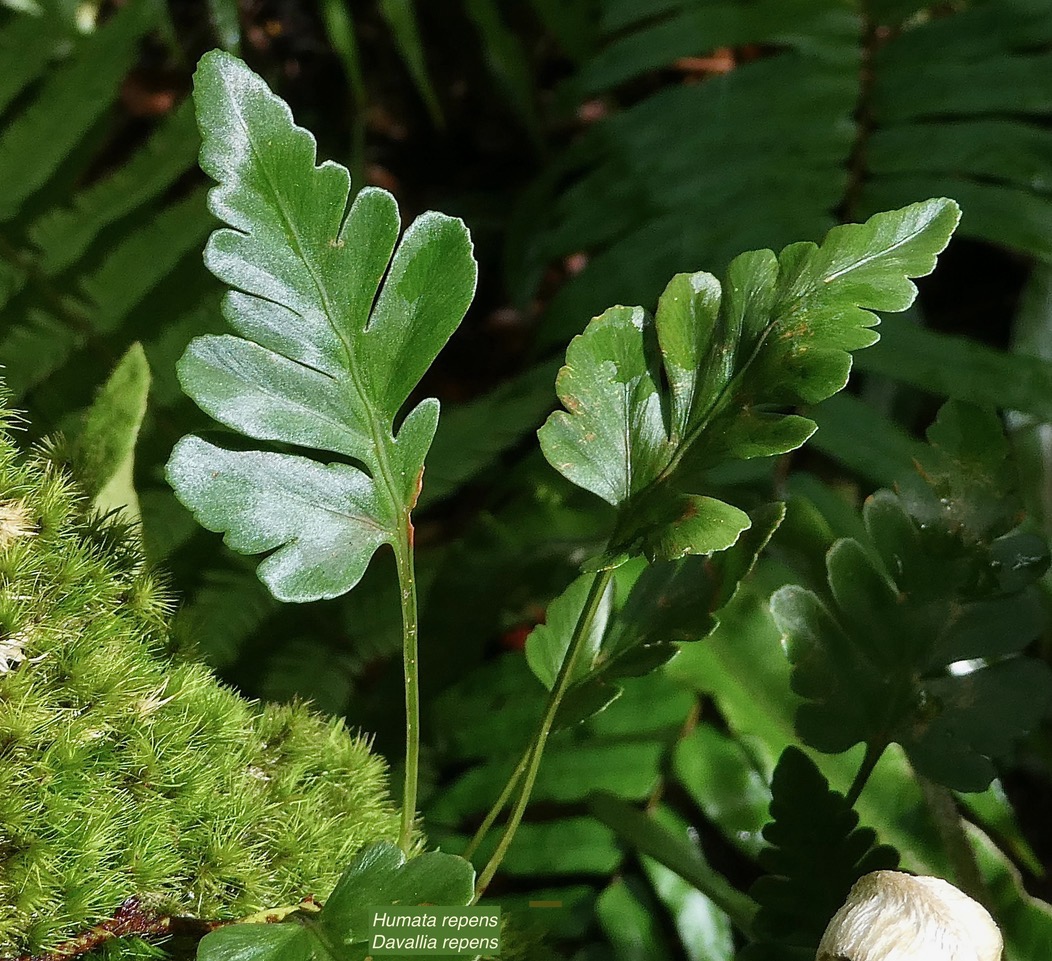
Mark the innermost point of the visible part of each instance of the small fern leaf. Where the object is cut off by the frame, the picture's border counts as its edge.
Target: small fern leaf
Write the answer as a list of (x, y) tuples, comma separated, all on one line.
[(920, 640), (817, 852), (777, 331), (335, 334)]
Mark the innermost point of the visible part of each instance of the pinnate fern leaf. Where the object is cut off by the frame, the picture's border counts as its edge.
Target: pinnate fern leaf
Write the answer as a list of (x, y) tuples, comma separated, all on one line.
[(677, 601), (919, 641), (645, 191), (73, 97), (776, 331), (817, 852), (61, 289), (335, 334)]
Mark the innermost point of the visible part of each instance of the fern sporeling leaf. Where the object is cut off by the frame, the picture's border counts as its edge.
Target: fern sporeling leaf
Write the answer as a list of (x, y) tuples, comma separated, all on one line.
[(777, 331), (920, 638), (337, 327)]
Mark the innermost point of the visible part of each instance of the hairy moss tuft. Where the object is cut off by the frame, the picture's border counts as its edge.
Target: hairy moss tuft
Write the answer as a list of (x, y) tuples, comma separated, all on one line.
[(125, 772)]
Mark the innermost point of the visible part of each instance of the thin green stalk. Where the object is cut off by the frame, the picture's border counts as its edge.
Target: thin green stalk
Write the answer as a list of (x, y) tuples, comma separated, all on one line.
[(874, 752), (498, 805), (340, 28), (540, 740), (943, 808), (410, 632)]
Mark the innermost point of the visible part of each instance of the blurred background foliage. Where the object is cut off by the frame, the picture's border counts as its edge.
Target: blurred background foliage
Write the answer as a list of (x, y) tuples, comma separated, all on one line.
[(594, 147)]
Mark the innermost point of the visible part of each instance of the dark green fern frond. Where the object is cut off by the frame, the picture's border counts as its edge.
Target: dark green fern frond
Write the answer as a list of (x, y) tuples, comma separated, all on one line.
[(812, 112), (817, 852), (80, 251), (100, 229), (960, 104), (919, 639)]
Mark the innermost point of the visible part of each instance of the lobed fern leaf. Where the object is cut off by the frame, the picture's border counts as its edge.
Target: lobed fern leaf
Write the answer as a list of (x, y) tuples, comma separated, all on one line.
[(817, 852), (338, 326), (919, 641), (776, 331)]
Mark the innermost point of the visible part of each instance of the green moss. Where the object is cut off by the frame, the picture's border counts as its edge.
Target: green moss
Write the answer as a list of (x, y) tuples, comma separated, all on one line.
[(125, 771)]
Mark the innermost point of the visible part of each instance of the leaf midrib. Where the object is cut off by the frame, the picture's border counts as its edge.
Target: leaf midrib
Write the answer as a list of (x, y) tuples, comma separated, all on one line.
[(375, 429), (859, 264), (792, 306)]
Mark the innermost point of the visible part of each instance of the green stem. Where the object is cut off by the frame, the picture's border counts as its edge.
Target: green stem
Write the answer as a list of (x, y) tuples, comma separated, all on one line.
[(540, 740), (498, 805), (874, 752), (340, 28), (943, 808), (410, 632)]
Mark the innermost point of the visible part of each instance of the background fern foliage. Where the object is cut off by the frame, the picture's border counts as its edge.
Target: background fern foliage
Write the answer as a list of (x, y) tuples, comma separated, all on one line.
[(856, 108)]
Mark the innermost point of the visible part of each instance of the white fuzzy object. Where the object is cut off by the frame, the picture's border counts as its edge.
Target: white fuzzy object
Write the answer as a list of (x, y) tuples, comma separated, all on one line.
[(891, 916), (14, 522)]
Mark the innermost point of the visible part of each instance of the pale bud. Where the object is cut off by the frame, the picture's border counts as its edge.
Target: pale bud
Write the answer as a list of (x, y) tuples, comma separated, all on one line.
[(14, 522), (891, 916)]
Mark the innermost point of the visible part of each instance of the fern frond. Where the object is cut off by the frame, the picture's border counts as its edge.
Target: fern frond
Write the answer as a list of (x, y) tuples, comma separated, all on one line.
[(24, 51), (63, 234), (70, 101), (818, 113), (951, 84), (59, 295)]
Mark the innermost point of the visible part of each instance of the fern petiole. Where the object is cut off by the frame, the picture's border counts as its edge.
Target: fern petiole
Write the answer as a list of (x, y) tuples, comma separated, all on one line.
[(339, 26), (411, 668), (942, 806), (562, 684), (874, 752), (498, 805)]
